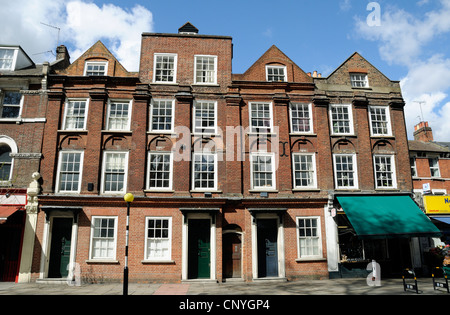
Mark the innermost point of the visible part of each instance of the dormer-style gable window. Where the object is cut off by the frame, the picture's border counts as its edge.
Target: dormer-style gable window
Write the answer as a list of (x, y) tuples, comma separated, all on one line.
[(359, 80), (276, 73), (96, 68), (7, 59)]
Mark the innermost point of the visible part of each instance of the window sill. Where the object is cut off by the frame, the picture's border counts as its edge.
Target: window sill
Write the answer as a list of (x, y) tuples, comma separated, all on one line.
[(162, 132), (259, 190), (309, 259), (306, 189), (166, 262), (72, 131), (205, 190), (259, 134), (343, 135), (117, 131), (206, 84), (382, 136), (159, 190), (102, 261), (311, 134)]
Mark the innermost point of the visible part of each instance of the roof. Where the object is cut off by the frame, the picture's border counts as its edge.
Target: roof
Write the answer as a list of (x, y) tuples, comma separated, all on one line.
[(416, 145), (35, 70), (188, 28)]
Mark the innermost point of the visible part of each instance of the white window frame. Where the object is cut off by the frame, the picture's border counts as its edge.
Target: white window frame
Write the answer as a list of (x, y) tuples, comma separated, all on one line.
[(413, 166), (198, 107), (2, 103), (292, 118), (13, 59), (11, 164), (314, 171), (214, 76), (108, 117), (66, 108), (175, 61), (91, 246), (435, 158), (103, 177), (152, 106), (350, 118), (273, 171), (202, 189), (59, 170), (277, 67), (253, 128), (169, 238), (355, 171), (359, 80), (150, 153), (373, 131), (318, 228), (393, 171), (95, 63)]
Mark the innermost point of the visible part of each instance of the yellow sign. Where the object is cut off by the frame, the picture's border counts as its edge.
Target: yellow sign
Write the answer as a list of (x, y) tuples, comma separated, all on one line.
[(437, 204)]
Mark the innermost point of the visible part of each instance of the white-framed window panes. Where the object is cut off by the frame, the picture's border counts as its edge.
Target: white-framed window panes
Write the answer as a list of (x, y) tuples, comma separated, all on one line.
[(160, 170), (6, 162), (165, 68), (103, 238), (158, 241), (412, 163), (7, 58), (380, 121), (10, 104), (205, 69), (261, 118), (75, 114), (341, 119), (434, 167), (359, 80), (345, 171), (119, 115), (384, 171), (262, 171), (96, 68), (301, 118), (69, 171), (304, 169), (204, 171), (114, 175), (162, 115), (276, 74), (205, 117), (309, 237)]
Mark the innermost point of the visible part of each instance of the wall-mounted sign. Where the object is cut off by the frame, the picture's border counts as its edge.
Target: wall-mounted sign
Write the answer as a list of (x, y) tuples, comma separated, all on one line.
[(437, 204)]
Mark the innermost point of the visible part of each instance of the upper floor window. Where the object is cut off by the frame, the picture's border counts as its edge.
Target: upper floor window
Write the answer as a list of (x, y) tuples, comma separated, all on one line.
[(162, 115), (276, 73), (262, 171), (380, 120), (5, 162), (359, 80), (341, 119), (119, 113), (304, 170), (384, 171), (114, 175), (205, 117), (205, 69), (412, 163), (204, 171), (96, 68), (159, 170), (75, 114), (10, 104), (345, 173), (434, 167), (165, 68), (261, 117), (301, 118), (69, 171), (6, 59)]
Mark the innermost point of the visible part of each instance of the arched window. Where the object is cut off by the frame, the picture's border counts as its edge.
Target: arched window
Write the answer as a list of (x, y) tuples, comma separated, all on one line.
[(5, 162)]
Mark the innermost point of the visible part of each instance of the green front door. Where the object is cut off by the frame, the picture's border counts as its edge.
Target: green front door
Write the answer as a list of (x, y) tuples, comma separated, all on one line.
[(199, 255), (60, 248)]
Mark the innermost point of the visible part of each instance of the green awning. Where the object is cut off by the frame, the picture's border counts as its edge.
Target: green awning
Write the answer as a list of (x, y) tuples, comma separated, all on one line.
[(386, 217)]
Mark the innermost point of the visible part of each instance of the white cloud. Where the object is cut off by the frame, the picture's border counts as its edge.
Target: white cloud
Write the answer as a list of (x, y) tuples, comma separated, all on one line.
[(405, 39), (82, 23)]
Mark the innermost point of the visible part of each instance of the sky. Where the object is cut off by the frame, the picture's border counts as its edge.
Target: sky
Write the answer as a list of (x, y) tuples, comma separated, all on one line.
[(407, 40)]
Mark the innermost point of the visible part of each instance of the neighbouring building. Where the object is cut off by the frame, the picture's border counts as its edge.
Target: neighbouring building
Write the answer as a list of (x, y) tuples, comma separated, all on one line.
[(430, 171), (249, 176), (23, 106)]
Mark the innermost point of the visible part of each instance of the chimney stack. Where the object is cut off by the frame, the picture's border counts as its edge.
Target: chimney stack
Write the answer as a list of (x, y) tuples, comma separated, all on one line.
[(422, 132), (62, 54)]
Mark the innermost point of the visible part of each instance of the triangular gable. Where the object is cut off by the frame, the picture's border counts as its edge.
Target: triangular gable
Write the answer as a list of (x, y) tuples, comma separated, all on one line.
[(357, 64), (274, 56), (188, 28), (97, 52)]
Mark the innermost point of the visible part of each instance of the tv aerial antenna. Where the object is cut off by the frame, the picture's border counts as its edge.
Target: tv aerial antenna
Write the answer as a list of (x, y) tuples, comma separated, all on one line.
[(420, 105)]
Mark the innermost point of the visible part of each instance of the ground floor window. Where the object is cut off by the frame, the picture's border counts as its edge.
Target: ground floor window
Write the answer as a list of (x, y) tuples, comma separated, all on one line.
[(158, 238), (309, 237), (103, 238)]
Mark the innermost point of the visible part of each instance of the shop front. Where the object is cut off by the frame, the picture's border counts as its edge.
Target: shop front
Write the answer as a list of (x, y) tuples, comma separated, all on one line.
[(438, 210), (384, 228)]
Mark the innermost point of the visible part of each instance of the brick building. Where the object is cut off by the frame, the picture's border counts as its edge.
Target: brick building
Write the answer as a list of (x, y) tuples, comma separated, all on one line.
[(233, 175), (22, 117)]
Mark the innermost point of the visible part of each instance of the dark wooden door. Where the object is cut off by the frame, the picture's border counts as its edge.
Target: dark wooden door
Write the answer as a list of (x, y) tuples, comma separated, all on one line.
[(232, 255), (199, 254), (267, 232), (60, 248)]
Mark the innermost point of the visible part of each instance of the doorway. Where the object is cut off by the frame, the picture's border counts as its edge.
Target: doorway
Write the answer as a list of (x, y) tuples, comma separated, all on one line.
[(232, 255), (60, 248), (199, 248), (267, 242)]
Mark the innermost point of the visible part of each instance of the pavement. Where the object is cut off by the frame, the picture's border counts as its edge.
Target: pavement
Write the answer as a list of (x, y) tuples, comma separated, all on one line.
[(347, 286)]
